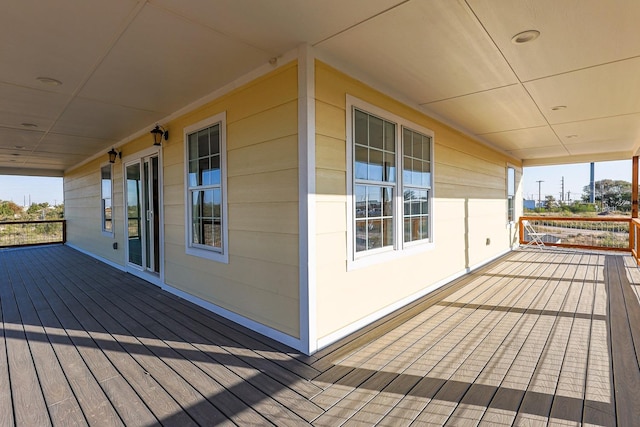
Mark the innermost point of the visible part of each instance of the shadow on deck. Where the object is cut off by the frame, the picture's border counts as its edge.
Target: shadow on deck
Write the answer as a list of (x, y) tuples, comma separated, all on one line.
[(548, 337)]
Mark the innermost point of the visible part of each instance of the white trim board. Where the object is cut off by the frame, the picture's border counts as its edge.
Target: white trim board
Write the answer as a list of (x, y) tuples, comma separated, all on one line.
[(306, 198)]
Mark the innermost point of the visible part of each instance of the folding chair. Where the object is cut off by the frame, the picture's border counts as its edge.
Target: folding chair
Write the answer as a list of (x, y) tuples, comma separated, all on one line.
[(535, 238)]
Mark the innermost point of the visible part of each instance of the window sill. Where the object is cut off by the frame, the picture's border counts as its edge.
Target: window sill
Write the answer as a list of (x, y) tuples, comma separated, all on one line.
[(207, 254)]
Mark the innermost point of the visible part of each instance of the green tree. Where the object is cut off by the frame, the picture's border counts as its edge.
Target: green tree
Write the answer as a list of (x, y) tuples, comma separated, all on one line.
[(8, 209), (612, 194), (550, 203)]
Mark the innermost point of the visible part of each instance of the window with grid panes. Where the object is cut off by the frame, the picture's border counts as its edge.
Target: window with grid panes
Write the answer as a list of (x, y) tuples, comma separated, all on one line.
[(205, 188), (416, 184), (106, 188), (391, 183), (511, 193)]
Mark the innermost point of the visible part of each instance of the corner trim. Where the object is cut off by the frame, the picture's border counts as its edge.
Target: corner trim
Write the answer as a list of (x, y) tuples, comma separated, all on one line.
[(306, 197)]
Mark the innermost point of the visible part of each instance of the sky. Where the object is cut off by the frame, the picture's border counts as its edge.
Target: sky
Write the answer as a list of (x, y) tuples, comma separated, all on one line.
[(575, 178), (42, 189), (19, 189)]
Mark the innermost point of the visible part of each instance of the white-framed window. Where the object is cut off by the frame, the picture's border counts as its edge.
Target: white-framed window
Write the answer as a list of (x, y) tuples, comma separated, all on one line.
[(206, 207), (106, 196), (511, 194), (390, 180)]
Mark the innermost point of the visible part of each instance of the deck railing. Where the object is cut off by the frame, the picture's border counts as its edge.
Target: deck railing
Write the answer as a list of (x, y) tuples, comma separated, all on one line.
[(30, 233), (588, 233)]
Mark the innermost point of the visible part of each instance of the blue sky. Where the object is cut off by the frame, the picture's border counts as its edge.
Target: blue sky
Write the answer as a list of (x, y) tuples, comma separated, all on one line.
[(19, 188), (41, 189), (575, 178)]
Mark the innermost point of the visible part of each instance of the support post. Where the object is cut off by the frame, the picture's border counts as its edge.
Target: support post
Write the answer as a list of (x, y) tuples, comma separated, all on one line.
[(634, 188)]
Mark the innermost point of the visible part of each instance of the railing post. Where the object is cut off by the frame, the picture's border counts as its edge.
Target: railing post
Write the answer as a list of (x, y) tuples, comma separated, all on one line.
[(520, 230), (64, 231)]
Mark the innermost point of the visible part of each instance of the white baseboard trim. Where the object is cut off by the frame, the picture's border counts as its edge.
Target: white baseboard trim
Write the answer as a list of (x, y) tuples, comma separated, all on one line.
[(267, 331), (353, 327)]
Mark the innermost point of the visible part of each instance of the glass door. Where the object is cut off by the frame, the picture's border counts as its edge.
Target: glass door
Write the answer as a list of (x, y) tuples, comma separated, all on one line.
[(143, 219)]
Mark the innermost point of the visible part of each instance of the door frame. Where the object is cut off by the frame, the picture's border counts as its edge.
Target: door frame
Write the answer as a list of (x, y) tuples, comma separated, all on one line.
[(155, 278)]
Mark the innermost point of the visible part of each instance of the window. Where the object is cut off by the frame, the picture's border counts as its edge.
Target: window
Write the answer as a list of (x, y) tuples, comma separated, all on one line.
[(206, 199), (416, 183), (511, 193), (105, 197), (391, 182)]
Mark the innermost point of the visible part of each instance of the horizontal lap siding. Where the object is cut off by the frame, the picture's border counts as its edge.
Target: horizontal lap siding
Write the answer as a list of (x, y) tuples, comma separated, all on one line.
[(83, 210), (469, 208), (261, 280)]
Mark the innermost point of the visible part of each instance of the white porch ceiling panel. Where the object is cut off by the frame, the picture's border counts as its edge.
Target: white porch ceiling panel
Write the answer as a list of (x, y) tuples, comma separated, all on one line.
[(125, 64)]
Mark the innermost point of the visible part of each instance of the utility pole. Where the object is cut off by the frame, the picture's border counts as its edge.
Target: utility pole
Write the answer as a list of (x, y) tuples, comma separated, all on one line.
[(539, 193), (562, 194)]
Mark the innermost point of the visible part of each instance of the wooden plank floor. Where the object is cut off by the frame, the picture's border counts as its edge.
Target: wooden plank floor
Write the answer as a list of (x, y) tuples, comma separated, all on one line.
[(536, 338)]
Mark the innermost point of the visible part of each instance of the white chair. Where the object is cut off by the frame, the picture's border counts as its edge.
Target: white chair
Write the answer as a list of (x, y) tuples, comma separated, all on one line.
[(535, 238)]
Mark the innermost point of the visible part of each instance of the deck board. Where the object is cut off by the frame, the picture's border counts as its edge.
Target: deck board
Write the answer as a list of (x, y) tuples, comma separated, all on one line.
[(538, 338)]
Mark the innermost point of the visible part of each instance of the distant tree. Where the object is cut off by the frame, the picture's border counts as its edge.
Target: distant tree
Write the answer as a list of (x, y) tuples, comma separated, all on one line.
[(36, 208), (9, 209), (612, 194), (550, 203)]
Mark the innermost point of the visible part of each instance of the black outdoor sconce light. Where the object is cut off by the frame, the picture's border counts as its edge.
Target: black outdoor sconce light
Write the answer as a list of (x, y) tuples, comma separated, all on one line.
[(113, 154), (157, 133)]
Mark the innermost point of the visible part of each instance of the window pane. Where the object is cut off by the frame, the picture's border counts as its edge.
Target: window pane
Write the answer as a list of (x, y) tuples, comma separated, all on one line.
[(204, 176), (406, 173), (362, 159), (374, 203), (406, 142), (387, 229), (376, 137), (389, 137), (426, 174), (361, 128), (203, 143), (511, 181), (389, 167), (361, 235), (214, 139), (407, 229), (374, 235), (417, 146), (193, 173), (375, 165), (424, 201), (361, 201), (424, 227), (387, 204)]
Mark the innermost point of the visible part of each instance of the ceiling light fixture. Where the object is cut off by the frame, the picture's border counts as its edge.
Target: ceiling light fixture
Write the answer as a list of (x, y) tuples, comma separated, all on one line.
[(113, 154), (525, 37), (572, 136), (18, 147), (157, 133), (49, 81), (559, 107)]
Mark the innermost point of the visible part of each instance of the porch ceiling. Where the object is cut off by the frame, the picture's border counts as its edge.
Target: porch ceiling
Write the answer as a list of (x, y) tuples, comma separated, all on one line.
[(125, 64)]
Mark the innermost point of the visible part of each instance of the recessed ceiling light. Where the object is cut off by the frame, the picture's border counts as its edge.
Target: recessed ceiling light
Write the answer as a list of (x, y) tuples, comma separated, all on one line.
[(29, 125), (15, 154), (18, 147), (559, 107), (49, 81), (525, 37), (572, 136)]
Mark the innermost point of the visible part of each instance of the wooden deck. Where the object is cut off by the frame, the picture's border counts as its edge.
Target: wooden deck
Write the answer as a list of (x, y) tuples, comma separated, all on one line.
[(537, 338)]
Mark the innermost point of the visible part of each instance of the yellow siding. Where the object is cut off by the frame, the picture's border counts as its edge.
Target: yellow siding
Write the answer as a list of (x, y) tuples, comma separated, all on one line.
[(469, 210), (83, 210), (261, 280)]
